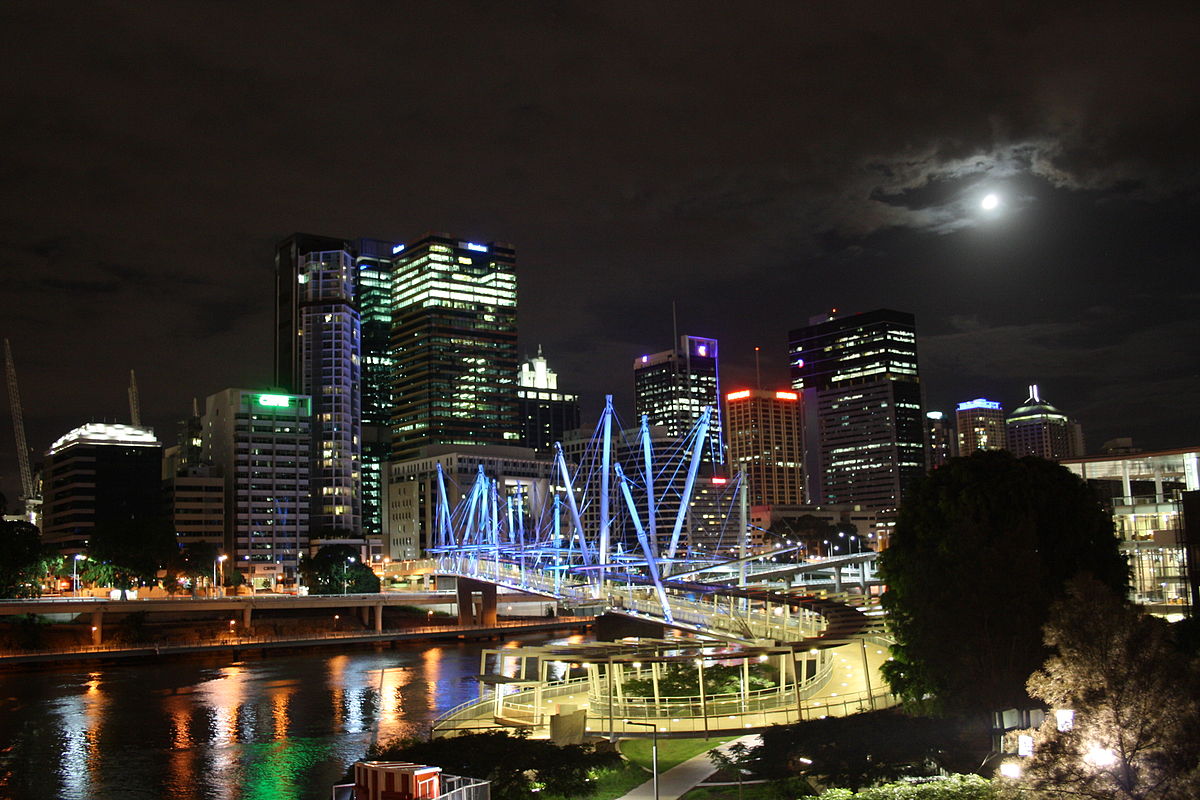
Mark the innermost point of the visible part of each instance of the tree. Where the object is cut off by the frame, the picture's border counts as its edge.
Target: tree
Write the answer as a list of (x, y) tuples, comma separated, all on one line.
[(123, 554), (515, 764), (982, 548), (854, 751), (24, 560), (331, 571), (1134, 698)]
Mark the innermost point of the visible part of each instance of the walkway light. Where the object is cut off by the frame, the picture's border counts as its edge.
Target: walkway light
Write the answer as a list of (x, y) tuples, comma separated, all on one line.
[(1099, 756), (1010, 769)]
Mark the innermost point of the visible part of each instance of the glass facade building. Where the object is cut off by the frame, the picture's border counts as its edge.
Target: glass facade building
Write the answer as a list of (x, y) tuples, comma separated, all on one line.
[(864, 425), (453, 344), (320, 355), (1146, 494), (673, 387), (546, 413)]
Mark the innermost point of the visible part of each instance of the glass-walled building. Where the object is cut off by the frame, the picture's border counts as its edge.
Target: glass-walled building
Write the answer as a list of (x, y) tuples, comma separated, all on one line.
[(1145, 494), (453, 344)]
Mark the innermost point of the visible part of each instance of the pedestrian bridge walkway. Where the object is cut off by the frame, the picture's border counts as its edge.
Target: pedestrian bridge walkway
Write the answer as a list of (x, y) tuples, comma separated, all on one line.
[(779, 658)]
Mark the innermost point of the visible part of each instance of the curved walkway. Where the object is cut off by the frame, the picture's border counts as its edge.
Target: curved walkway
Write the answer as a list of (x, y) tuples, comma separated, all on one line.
[(681, 779)]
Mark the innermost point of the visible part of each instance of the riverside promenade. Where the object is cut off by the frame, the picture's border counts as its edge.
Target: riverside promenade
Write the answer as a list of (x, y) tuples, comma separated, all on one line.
[(233, 642)]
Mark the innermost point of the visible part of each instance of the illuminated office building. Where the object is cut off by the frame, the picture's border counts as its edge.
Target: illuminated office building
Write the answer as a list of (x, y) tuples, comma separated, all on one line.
[(260, 444), (864, 426), (318, 354), (766, 439), (980, 426), (453, 344), (546, 414), (99, 475), (673, 387), (1154, 498), (373, 295), (1039, 429), (940, 441)]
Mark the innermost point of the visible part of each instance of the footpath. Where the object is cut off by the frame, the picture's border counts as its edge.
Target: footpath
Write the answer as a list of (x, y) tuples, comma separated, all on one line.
[(679, 780)]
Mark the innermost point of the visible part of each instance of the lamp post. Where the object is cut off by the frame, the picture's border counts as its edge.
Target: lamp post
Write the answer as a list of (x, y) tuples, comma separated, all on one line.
[(75, 573), (653, 726), (346, 574), (217, 561)]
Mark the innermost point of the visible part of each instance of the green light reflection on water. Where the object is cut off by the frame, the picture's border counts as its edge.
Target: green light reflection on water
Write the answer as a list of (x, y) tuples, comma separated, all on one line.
[(279, 770)]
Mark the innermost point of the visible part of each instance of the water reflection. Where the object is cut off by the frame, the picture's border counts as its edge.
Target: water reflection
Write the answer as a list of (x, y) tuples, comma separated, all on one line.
[(283, 727)]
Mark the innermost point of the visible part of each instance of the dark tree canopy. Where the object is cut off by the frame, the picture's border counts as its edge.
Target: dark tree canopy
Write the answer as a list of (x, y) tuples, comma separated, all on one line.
[(24, 560), (983, 546), (331, 571), (124, 553)]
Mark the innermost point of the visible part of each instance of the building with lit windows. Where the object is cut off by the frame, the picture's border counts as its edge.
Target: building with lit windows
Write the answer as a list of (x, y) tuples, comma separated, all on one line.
[(99, 474), (195, 498), (373, 295), (260, 444), (546, 414), (523, 485), (1039, 429), (453, 344), (980, 426), (766, 440), (318, 353), (673, 387), (864, 425), (1148, 494), (939, 439)]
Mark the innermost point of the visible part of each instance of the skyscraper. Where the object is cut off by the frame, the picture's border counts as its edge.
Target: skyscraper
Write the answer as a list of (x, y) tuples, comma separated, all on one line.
[(318, 353), (940, 439), (373, 296), (260, 444), (1039, 429), (453, 344), (99, 475), (546, 414), (980, 426), (767, 439), (672, 388), (864, 428)]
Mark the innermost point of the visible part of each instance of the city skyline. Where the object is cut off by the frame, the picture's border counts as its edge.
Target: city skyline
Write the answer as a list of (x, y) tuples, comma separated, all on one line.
[(152, 198)]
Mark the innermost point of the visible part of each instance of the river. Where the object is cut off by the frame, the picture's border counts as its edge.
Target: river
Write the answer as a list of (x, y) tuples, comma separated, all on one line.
[(283, 727)]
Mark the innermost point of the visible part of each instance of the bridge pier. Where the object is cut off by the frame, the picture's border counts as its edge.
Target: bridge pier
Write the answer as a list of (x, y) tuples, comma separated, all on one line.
[(466, 589), (97, 627), (246, 618), (378, 617)]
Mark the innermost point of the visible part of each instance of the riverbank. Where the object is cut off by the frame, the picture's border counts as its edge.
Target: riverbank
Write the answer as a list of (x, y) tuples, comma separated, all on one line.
[(232, 643)]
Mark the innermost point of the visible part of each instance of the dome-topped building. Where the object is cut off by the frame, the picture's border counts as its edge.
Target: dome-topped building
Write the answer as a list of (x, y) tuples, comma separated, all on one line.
[(1039, 429)]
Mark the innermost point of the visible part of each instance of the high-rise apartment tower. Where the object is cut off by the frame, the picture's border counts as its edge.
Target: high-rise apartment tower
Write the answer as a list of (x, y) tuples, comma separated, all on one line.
[(674, 386), (766, 439)]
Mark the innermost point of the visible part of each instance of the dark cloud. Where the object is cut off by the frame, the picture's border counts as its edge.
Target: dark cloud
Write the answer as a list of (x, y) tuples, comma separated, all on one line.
[(755, 165)]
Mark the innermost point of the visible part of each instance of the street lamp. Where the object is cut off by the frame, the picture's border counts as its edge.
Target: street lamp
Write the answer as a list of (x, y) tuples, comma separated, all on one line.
[(346, 574), (653, 726), (216, 561), (75, 573)]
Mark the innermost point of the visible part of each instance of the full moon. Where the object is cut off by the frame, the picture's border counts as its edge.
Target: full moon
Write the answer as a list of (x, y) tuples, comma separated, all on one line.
[(989, 202)]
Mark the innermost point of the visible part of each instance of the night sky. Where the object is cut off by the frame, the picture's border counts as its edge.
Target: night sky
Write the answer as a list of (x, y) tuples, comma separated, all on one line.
[(757, 164)]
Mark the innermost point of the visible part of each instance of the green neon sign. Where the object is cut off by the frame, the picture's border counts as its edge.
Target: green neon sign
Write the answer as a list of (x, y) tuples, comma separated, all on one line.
[(275, 400)]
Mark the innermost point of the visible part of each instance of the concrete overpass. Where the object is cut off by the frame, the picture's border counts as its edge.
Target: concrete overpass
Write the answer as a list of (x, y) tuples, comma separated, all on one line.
[(369, 606)]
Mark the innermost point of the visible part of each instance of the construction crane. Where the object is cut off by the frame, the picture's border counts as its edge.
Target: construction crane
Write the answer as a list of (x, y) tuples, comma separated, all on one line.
[(30, 491), (135, 407)]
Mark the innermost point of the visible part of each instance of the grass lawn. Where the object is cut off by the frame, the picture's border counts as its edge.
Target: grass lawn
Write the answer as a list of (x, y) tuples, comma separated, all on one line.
[(614, 783), (671, 752)]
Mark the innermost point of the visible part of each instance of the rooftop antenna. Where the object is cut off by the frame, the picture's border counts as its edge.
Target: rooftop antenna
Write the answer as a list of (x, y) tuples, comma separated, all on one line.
[(135, 408)]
